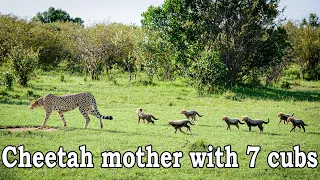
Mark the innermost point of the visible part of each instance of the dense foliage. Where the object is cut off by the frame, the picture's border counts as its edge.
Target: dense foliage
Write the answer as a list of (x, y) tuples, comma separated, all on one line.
[(246, 34), (213, 45), (305, 39)]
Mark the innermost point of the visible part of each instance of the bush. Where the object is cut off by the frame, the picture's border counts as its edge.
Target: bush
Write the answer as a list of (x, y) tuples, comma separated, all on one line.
[(199, 145), (293, 72), (61, 77), (23, 61), (30, 93), (8, 80), (285, 85), (229, 95), (114, 73), (208, 73), (313, 74)]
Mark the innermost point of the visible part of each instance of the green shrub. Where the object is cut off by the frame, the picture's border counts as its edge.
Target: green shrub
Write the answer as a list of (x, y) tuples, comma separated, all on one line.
[(23, 62), (114, 73), (285, 85), (30, 93), (292, 72), (8, 80), (61, 77), (313, 74), (229, 95), (198, 145), (208, 73)]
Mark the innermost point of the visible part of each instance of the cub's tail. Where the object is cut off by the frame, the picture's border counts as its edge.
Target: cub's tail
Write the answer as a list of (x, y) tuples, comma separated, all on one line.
[(240, 122), (199, 114), (190, 122), (154, 117), (266, 122)]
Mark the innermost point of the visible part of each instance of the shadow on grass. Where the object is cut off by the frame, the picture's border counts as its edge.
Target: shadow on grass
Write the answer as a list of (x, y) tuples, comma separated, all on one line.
[(273, 134), (206, 125), (257, 131), (276, 94), (67, 129), (316, 133), (113, 131)]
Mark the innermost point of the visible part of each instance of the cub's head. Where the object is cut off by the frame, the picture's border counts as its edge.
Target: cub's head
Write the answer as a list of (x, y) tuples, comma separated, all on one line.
[(245, 118), (280, 114), (183, 111), (290, 119), (224, 118), (170, 122), (36, 103), (139, 110)]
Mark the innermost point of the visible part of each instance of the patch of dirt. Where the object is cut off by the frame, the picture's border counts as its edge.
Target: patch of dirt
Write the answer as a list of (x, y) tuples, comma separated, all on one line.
[(14, 129)]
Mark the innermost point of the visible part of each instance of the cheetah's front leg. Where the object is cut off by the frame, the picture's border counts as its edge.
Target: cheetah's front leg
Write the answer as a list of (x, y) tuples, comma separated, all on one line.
[(45, 119)]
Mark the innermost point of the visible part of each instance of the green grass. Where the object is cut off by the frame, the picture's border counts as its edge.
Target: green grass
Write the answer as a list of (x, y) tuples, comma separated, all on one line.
[(164, 100)]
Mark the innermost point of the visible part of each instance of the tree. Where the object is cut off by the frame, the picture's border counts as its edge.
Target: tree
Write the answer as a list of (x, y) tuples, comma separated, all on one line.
[(305, 39), (54, 15), (156, 56), (23, 61), (103, 45), (47, 38), (245, 33), (209, 73), (13, 32), (68, 36)]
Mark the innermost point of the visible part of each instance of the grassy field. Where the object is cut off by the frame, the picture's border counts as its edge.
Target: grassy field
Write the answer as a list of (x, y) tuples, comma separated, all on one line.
[(164, 100)]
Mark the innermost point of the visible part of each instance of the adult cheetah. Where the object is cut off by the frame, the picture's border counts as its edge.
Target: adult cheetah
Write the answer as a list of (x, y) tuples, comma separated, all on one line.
[(62, 104)]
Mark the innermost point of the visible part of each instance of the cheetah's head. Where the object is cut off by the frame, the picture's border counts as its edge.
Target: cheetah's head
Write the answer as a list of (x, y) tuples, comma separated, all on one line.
[(36, 103)]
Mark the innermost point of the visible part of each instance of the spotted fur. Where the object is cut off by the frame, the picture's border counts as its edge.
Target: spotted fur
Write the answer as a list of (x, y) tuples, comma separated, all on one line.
[(85, 101)]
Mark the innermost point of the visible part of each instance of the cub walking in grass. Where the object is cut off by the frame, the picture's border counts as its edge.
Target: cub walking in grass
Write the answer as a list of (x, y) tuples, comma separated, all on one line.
[(143, 116), (251, 122), (295, 123), (189, 114), (178, 124), (85, 101), (284, 117), (231, 122)]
